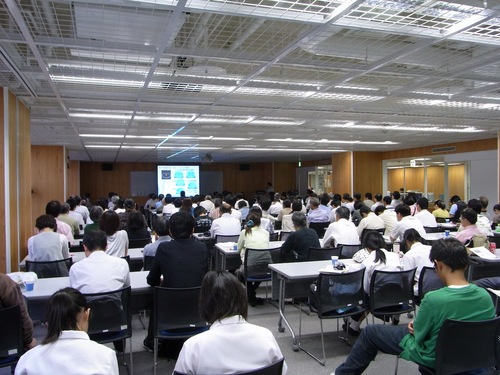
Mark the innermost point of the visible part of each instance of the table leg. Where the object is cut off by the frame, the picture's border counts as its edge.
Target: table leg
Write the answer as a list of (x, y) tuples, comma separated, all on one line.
[(283, 318)]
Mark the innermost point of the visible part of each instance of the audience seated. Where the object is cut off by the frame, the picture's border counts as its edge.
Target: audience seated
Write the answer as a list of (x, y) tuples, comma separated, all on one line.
[(468, 227), (342, 231), (369, 221), (483, 223), (286, 221), (72, 218), (423, 215), (417, 255), (135, 227), (95, 216), (54, 208), (180, 263), (315, 214), (47, 245), (162, 234), (10, 295), (117, 239), (417, 341), (440, 210), (253, 237), (232, 345), (67, 348), (299, 241), (405, 221), (226, 224)]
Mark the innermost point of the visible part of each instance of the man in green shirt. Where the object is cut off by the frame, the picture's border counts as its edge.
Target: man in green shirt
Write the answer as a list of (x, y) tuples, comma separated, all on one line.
[(417, 342)]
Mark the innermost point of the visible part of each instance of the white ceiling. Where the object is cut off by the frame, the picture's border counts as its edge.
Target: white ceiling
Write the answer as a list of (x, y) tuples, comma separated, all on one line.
[(251, 80)]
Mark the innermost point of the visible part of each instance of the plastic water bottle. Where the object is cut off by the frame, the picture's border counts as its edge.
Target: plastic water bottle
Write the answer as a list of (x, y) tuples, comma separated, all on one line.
[(446, 233), (335, 260), (447, 221), (498, 228)]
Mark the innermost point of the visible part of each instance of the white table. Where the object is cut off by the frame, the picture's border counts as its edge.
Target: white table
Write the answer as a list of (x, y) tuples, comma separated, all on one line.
[(135, 256), (44, 288), (297, 276), (225, 250)]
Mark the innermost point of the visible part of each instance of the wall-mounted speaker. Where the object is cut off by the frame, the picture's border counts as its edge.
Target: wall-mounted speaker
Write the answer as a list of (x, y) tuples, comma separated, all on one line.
[(106, 166), (244, 167)]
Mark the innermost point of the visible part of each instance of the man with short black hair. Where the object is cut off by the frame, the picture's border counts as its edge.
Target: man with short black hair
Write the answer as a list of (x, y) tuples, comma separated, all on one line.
[(423, 215), (405, 221), (416, 342), (160, 227), (342, 231), (181, 263), (301, 239)]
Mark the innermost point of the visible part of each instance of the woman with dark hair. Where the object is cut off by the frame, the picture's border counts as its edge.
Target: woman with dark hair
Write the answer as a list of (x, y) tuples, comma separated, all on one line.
[(47, 245), (136, 229), (440, 210), (67, 348), (231, 344), (187, 206), (117, 239), (378, 259), (253, 237)]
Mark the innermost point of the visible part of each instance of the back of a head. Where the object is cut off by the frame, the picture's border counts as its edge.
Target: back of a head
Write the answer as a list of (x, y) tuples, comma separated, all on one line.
[(470, 215), (53, 208), (255, 210), (199, 210), (64, 208), (324, 199), (343, 213), (299, 219), (95, 240), (403, 209), (242, 204), (135, 221), (387, 200), (373, 240), (411, 235), (109, 223), (379, 210), (475, 204), (314, 202), (72, 203), (368, 196), (358, 204), (225, 208), (181, 225), (217, 202), (177, 202), (378, 197), (296, 205), (455, 199), (484, 201), (265, 203), (253, 221), (423, 203), (451, 252), (160, 226), (46, 221), (96, 213), (129, 204), (230, 199), (62, 311), (357, 196), (396, 195), (222, 296), (287, 203), (440, 204), (364, 209)]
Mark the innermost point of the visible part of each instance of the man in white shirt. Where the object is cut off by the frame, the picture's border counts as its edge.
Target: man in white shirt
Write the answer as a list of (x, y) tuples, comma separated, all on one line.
[(226, 224), (342, 231), (287, 223), (405, 221), (378, 202), (231, 200), (276, 205), (169, 209), (207, 203), (81, 209), (369, 221), (99, 272), (423, 215), (417, 256)]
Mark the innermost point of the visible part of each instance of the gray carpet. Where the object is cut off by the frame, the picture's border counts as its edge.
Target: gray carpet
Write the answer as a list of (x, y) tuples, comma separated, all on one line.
[(298, 362)]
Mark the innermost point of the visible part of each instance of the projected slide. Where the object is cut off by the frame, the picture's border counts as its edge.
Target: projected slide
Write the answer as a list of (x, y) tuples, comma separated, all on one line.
[(172, 179)]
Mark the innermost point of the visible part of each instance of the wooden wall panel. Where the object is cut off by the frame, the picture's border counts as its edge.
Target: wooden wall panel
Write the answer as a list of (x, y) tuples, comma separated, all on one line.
[(3, 263), (12, 214), (435, 181), (24, 175), (367, 172), (470, 146), (284, 176), (456, 178), (342, 172), (73, 178), (48, 164)]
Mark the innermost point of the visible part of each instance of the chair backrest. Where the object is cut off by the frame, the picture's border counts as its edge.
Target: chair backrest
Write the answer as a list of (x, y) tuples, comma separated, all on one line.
[(256, 263), (127, 258), (176, 312), (273, 369), (479, 269), (284, 235), (11, 341), (495, 239), (340, 292), (148, 262), (139, 243), (428, 281), (391, 289), (349, 250), (55, 268), (441, 220), (366, 230), (109, 315), (433, 229), (320, 228), (274, 236), (464, 346), (226, 238), (320, 253)]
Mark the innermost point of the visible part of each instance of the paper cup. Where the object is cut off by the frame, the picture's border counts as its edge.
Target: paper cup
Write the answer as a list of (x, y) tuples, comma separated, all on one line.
[(30, 285)]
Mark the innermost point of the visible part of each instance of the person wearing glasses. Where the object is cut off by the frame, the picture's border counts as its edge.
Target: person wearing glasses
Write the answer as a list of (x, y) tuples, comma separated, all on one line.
[(468, 220)]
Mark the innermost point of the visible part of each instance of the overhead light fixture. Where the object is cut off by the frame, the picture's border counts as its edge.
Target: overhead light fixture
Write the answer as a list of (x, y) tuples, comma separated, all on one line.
[(128, 57)]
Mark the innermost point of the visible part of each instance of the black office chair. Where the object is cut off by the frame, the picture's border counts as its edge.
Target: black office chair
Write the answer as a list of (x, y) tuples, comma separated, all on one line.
[(176, 315), (495, 239), (365, 231), (232, 263), (464, 346), (11, 340), (337, 295), (148, 262), (427, 282), (111, 319), (127, 258), (55, 268), (349, 250), (273, 369), (320, 253), (260, 272), (274, 236), (139, 243), (320, 228), (284, 235), (391, 293), (480, 268)]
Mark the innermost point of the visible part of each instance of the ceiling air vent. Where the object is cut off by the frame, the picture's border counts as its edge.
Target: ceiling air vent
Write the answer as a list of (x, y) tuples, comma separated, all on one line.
[(443, 149), (185, 87)]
